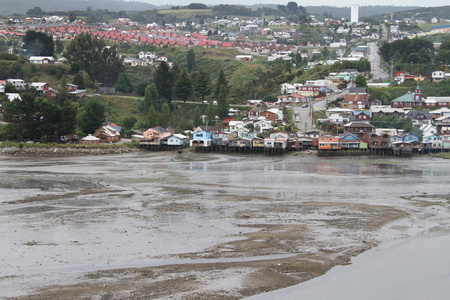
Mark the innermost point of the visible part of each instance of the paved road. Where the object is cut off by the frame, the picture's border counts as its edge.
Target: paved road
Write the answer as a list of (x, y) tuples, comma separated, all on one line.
[(374, 58), (305, 123)]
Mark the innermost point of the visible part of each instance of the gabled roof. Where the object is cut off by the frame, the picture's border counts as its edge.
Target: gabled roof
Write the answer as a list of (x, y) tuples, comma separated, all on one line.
[(358, 124), (357, 90), (409, 97), (414, 113)]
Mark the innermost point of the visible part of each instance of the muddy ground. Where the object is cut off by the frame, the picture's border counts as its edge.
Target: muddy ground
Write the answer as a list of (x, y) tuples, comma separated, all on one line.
[(180, 226)]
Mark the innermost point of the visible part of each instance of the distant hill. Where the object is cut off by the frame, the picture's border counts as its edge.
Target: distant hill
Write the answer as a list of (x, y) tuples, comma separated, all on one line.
[(423, 13), (344, 12), (364, 11), (9, 7)]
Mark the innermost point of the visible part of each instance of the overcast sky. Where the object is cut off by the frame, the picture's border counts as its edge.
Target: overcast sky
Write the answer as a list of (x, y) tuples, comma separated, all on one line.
[(309, 3)]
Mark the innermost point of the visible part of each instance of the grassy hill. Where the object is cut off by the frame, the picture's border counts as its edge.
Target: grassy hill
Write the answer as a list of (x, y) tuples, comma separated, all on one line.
[(424, 13), (22, 6)]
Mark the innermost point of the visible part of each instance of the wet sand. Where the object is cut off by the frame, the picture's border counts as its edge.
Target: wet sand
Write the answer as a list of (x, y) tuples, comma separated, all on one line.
[(202, 226)]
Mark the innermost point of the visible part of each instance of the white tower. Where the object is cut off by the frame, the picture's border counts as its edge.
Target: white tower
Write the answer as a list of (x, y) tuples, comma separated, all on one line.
[(354, 14)]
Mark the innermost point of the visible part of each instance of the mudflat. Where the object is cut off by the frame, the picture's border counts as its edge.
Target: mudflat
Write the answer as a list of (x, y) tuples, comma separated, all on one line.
[(202, 226)]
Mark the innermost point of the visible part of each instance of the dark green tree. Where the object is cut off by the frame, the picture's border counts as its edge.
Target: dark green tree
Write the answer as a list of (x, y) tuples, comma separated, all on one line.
[(175, 71), (202, 85), (35, 12), (197, 117), (10, 88), (128, 122), (221, 81), (59, 45), (102, 63), (445, 45), (16, 70), (92, 116), (222, 103), (443, 57), (123, 83), (151, 97), (211, 113), (22, 116), (55, 120), (183, 86), (291, 8), (38, 43), (72, 16), (68, 117), (424, 56), (190, 57), (166, 116), (153, 117), (413, 58), (79, 81), (164, 81), (360, 81)]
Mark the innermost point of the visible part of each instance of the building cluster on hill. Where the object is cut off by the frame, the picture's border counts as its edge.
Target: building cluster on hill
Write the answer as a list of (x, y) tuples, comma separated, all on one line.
[(42, 88)]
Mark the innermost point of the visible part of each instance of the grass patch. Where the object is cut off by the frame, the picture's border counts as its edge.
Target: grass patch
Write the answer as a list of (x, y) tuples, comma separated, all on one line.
[(444, 155)]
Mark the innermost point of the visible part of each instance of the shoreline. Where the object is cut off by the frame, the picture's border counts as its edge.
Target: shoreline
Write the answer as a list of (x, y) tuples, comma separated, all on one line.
[(52, 150)]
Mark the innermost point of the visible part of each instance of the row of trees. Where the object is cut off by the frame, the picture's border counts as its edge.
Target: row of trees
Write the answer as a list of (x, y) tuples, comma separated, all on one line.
[(39, 119), (417, 50)]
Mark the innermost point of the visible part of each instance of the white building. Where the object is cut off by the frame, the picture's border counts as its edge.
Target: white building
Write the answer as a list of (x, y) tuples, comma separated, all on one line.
[(354, 14), (18, 83), (41, 59)]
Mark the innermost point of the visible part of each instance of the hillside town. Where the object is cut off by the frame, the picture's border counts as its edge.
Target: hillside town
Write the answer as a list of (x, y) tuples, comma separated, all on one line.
[(272, 126)]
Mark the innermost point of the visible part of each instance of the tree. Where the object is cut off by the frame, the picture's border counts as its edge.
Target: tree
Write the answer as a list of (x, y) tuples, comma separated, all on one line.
[(151, 97), (63, 82), (123, 83), (175, 71), (153, 117), (59, 45), (79, 81), (38, 43), (166, 116), (22, 117), (413, 58), (201, 87), (326, 52), (190, 57), (210, 113), (35, 12), (10, 88), (55, 120), (183, 86), (445, 45), (197, 117), (128, 122), (221, 81), (360, 81), (72, 16), (443, 57), (291, 8), (102, 63), (164, 81), (222, 103), (92, 116), (424, 56)]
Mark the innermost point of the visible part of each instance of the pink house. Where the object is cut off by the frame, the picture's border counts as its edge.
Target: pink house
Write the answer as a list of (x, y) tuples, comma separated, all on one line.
[(157, 133)]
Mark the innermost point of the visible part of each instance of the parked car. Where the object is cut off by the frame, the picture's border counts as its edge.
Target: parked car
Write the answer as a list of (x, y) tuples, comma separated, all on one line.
[(305, 105)]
